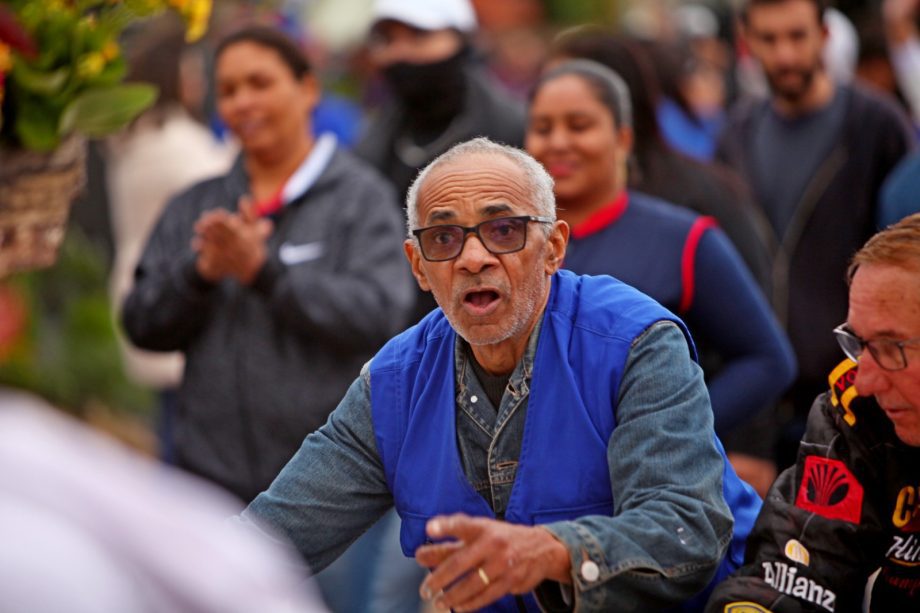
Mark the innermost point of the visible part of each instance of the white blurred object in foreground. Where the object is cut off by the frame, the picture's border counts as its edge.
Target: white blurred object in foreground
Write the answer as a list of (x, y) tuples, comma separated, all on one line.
[(89, 526)]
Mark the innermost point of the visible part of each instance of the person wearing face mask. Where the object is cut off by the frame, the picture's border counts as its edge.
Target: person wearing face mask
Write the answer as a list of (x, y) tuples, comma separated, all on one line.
[(439, 96)]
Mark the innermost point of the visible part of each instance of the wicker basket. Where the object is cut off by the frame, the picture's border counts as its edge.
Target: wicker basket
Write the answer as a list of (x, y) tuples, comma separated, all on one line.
[(36, 190)]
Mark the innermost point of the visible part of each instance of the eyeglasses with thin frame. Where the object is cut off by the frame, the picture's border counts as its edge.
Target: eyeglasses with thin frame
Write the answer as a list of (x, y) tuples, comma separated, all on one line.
[(887, 353), (501, 235)]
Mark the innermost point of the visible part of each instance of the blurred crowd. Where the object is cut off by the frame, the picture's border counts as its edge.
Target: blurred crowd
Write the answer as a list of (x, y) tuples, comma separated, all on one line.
[(726, 163)]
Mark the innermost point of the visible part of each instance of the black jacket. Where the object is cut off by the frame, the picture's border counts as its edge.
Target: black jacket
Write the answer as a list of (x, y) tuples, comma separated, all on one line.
[(848, 508), (714, 190), (834, 218), (486, 111), (266, 364)]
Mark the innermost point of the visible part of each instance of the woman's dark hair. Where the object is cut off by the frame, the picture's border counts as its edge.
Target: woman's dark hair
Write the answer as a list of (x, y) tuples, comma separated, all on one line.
[(672, 62), (624, 57), (154, 56), (610, 88), (653, 159), (270, 38)]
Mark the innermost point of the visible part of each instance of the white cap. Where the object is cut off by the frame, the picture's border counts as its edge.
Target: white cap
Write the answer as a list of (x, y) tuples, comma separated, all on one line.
[(428, 14), (842, 49), (696, 21)]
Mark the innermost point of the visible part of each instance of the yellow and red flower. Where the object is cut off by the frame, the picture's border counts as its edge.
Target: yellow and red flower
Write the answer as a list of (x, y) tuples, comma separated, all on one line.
[(66, 53)]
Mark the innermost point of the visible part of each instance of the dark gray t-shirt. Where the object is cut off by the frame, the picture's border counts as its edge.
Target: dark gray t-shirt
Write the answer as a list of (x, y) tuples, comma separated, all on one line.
[(787, 152)]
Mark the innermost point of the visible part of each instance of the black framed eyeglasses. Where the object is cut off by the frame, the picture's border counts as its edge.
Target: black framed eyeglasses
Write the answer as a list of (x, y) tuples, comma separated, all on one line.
[(500, 235), (887, 353)]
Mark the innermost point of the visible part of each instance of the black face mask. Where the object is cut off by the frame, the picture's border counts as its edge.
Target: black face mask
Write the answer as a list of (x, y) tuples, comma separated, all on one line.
[(433, 91)]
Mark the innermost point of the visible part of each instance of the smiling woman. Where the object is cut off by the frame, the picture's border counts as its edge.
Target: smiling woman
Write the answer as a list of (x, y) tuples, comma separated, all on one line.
[(579, 128), (277, 280), (266, 95)]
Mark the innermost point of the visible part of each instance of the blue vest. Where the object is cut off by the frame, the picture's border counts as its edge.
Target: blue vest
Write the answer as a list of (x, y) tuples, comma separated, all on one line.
[(587, 330)]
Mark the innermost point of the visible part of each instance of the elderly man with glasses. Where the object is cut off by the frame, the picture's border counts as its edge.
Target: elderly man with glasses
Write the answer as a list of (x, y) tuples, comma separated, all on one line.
[(543, 436), (840, 530)]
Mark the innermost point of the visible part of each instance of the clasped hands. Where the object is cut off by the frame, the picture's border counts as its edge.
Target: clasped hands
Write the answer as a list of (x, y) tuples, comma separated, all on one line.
[(231, 244), (487, 560)]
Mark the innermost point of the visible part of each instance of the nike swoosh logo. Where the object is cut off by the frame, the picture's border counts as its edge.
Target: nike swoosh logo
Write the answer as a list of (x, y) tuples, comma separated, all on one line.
[(298, 254)]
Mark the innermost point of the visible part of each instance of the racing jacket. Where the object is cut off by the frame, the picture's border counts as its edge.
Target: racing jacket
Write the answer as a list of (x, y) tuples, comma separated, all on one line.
[(840, 530)]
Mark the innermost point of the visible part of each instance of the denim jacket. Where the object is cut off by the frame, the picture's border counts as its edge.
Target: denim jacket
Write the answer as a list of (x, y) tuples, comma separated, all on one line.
[(670, 527)]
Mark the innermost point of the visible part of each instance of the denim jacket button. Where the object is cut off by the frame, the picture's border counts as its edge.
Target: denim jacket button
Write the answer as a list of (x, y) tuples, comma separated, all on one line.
[(589, 571), (474, 399)]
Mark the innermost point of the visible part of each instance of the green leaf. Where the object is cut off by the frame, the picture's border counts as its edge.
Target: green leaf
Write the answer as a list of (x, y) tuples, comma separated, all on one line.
[(35, 126), (40, 82), (103, 110), (68, 352), (143, 8)]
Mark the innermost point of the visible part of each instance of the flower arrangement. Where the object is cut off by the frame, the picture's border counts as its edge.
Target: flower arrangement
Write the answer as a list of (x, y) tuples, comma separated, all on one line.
[(61, 73), (61, 66)]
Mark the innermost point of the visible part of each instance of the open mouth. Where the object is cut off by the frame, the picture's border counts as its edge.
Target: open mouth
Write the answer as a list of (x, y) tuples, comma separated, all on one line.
[(481, 301)]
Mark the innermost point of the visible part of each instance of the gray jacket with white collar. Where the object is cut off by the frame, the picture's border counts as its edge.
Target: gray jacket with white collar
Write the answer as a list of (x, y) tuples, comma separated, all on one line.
[(266, 364)]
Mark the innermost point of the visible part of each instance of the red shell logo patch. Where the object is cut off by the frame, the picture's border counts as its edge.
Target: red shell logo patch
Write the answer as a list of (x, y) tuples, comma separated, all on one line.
[(830, 490)]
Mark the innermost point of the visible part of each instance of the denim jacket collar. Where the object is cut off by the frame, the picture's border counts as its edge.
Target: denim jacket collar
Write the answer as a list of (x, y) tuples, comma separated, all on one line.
[(518, 385)]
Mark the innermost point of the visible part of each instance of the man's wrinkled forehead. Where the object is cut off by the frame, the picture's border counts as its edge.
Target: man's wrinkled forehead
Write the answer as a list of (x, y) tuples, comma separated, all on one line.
[(490, 184)]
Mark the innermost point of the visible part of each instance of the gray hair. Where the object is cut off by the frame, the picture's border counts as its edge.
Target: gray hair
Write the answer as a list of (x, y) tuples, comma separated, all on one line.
[(609, 86), (539, 182)]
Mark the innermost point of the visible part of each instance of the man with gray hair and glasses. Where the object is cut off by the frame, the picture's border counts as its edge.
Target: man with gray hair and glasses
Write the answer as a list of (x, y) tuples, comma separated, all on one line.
[(544, 437), (840, 530)]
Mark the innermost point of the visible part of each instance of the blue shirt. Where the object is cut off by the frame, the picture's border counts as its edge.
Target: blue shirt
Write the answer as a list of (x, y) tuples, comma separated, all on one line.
[(687, 264), (787, 153), (900, 195)]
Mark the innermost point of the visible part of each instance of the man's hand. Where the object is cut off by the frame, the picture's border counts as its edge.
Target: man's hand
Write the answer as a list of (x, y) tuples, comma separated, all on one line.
[(488, 560), (231, 245)]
